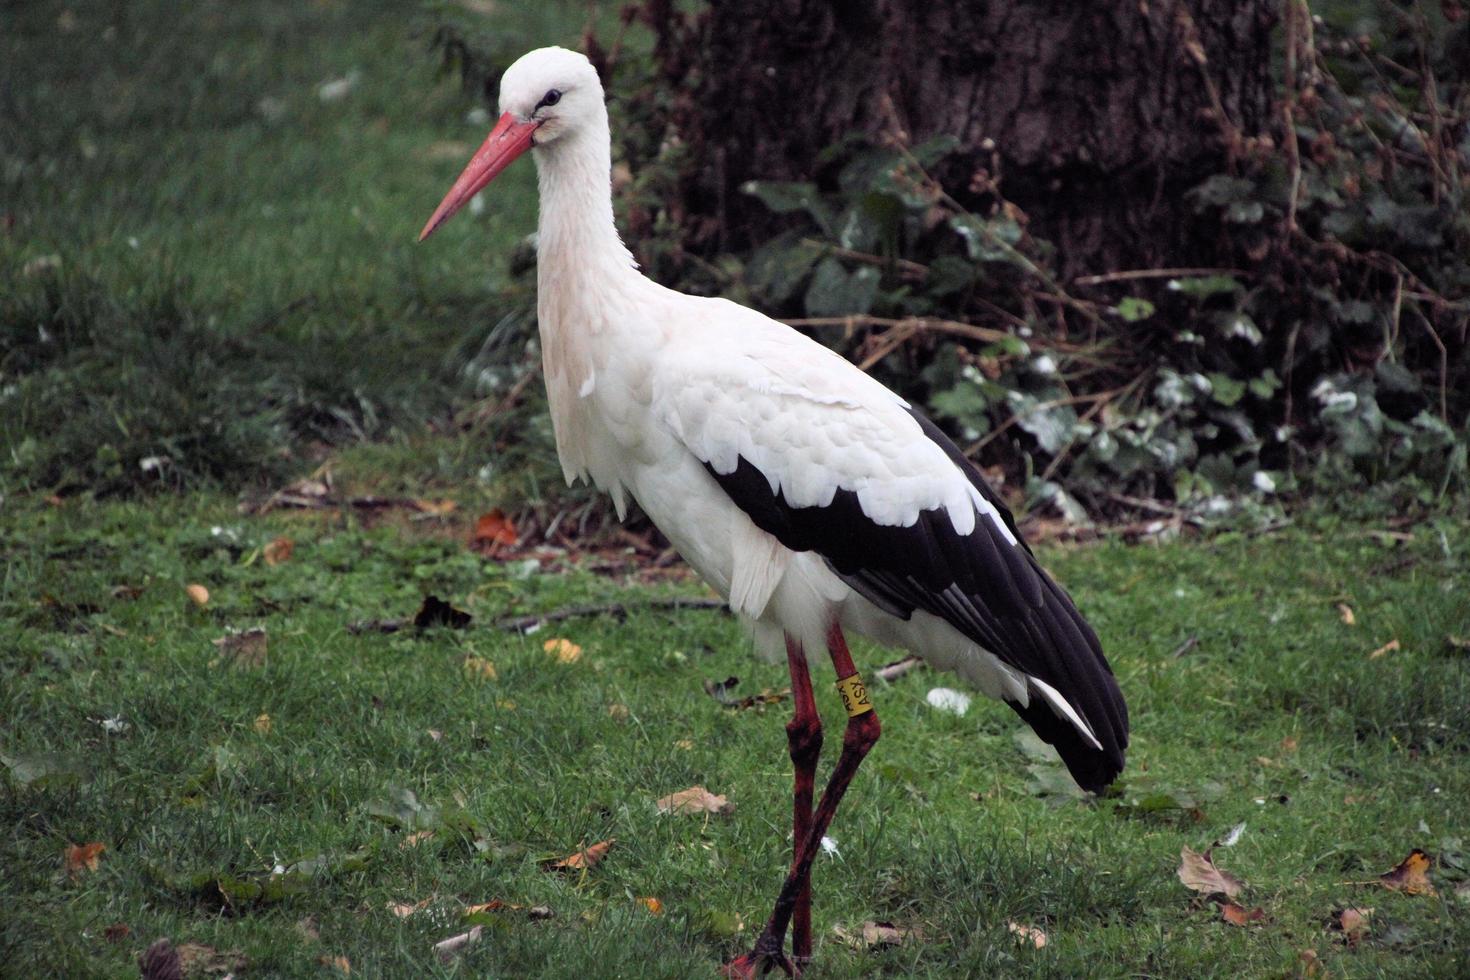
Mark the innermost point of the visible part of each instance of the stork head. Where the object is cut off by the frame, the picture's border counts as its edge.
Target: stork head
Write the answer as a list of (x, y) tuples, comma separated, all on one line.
[(545, 96)]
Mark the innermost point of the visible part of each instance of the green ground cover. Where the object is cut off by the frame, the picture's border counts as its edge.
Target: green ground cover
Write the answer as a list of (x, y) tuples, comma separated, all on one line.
[(206, 251), (1338, 762)]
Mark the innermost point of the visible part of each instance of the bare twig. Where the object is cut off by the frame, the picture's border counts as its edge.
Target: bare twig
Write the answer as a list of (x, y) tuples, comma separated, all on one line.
[(987, 335), (906, 268), (1133, 274), (892, 672), (618, 610), (1185, 647), (995, 433)]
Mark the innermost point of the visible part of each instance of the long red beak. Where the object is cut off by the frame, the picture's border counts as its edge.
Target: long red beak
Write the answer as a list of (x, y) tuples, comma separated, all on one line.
[(509, 139)]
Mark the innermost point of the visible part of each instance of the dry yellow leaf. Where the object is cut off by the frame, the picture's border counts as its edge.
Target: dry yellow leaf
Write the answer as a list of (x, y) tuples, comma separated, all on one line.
[(654, 906), (1390, 647), (416, 838), (1346, 612), (684, 743), (278, 551), (403, 909), (695, 799), (480, 668), (1198, 872), (1411, 876), (263, 723), (242, 648), (339, 963), (83, 857), (1352, 923), (1238, 915), (1029, 934), (584, 858), (617, 712), (198, 593), (565, 651), (876, 934)]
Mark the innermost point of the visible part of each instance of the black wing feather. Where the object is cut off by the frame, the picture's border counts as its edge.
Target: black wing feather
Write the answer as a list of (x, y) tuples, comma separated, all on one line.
[(991, 590)]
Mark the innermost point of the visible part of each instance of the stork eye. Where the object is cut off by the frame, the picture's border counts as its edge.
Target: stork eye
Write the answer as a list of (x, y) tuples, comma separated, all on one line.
[(550, 98)]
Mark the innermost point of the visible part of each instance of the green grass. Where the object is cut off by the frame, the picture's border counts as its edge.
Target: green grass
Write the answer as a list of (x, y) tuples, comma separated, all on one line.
[(1339, 763), (239, 291), (206, 261)]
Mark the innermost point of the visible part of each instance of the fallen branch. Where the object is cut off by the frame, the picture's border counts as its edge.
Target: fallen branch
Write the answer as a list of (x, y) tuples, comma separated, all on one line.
[(618, 610), (1134, 274), (891, 672), (1184, 648)]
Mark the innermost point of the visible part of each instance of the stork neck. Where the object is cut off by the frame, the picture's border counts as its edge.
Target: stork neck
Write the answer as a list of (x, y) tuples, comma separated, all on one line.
[(578, 243)]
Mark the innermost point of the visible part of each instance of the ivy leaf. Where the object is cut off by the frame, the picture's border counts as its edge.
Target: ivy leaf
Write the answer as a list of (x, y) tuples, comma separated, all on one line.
[(835, 292), (1203, 287), (784, 197), (780, 266), (1221, 190), (988, 241), (1134, 308), (949, 274), (1225, 389), (1265, 386)]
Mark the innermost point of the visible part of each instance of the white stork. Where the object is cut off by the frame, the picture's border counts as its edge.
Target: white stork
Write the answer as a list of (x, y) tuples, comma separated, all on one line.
[(810, 496)]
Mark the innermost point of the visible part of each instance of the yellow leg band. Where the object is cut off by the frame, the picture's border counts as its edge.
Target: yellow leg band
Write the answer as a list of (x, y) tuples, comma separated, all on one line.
[(854, 695)]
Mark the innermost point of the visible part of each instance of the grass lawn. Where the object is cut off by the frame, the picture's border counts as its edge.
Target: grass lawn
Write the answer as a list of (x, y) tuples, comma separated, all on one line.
[(206, 241), (261, 807)]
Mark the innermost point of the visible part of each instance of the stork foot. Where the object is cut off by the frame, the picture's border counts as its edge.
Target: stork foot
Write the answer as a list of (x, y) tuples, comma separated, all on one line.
[(759, 961)]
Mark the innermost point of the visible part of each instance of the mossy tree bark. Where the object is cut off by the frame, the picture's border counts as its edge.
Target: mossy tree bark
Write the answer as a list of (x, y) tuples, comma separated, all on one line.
[(1092, 117)]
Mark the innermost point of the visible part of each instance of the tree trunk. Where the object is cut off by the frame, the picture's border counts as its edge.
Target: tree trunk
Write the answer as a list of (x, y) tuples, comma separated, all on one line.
[(1092, 117)]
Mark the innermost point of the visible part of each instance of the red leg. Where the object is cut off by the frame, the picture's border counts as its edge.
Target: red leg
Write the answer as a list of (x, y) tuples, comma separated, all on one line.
[(862, 732), (804, 738)]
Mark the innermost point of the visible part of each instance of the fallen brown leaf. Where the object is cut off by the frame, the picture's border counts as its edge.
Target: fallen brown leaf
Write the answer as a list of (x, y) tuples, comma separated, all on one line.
[(564, 650), (1346, 612), (242, 648), (1199, 873), (416, 838), (654, 906), (404, 909), (496, 905), (494, 531), (479, 668), (1410, 876), (1237, 915), (1026, 933), (436, 612), (197, 593), (1352, 923), (117, 932), (1390, 647), (160, 961), (339, 963), (1459, 643), (695, 799), (278, 551), (263, 723), (617, 711), (83, 857), (1309, 965), (197, 958), (448, 949), (723, 692), (874, 935), (584, 858), (435, 508)]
